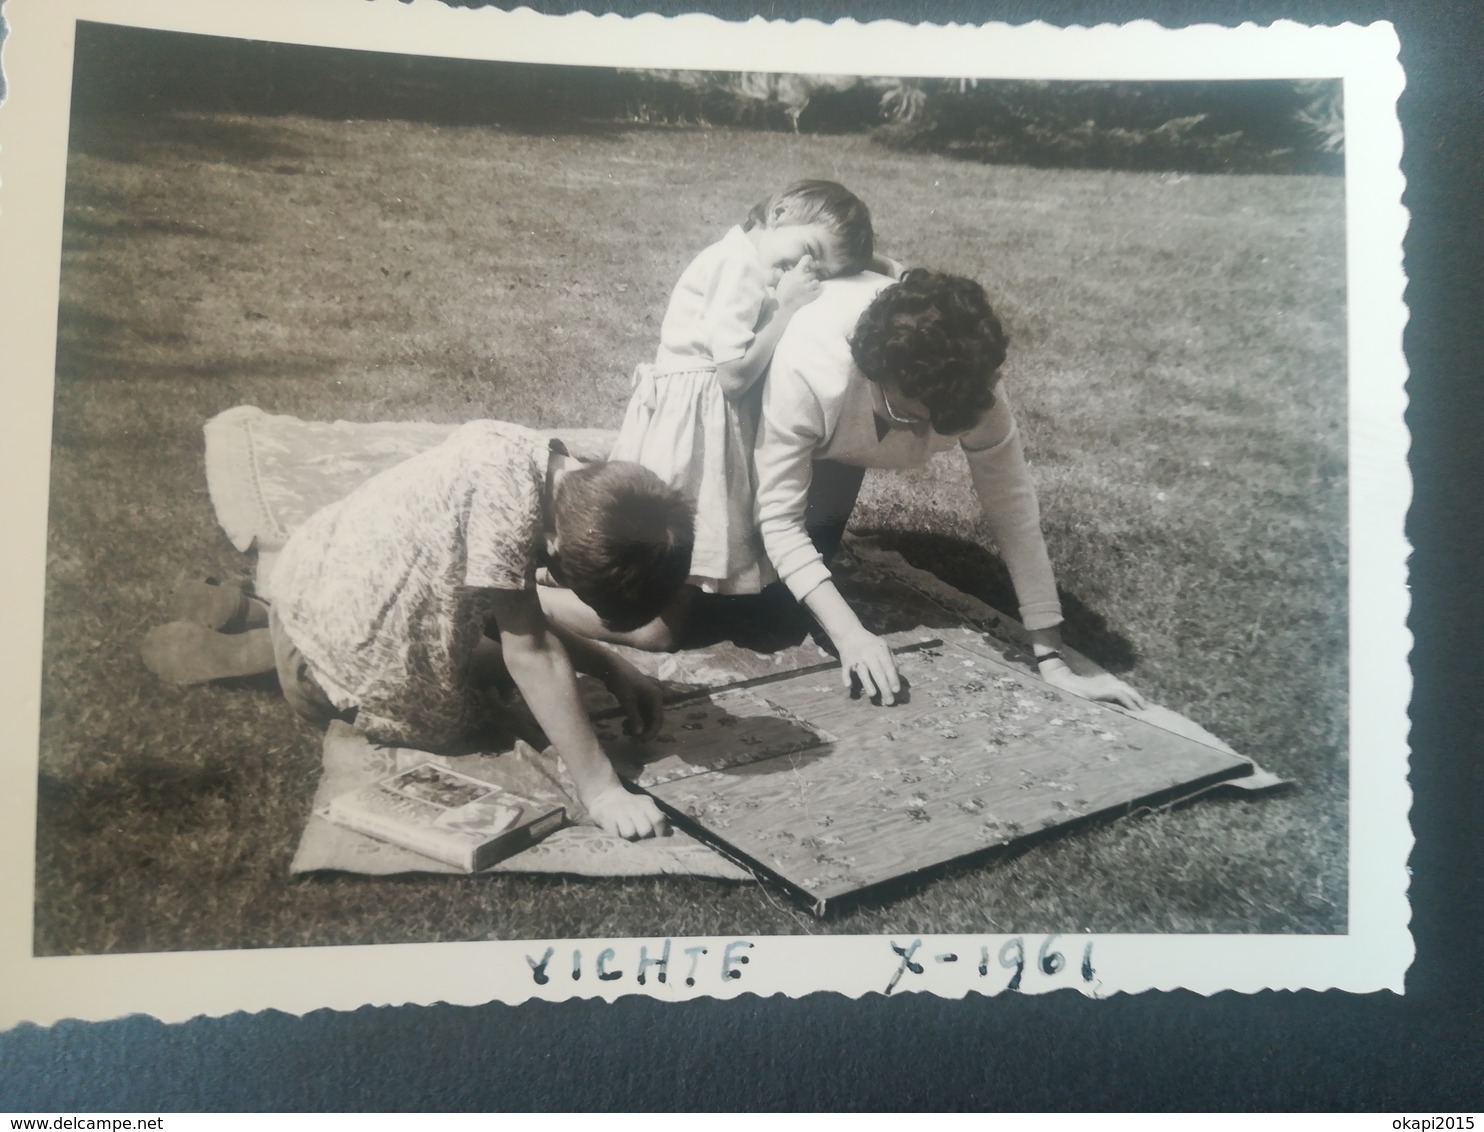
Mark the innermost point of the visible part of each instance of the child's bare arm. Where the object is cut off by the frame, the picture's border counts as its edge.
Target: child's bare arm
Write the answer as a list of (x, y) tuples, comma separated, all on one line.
[(798, 287), (638, 695), (542, 670)]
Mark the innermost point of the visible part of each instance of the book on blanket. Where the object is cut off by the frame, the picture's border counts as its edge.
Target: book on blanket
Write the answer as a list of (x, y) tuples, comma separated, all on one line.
[(448, 816)]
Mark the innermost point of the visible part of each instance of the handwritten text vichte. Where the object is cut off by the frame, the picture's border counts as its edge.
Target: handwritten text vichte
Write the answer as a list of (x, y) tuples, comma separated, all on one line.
[(652, 961)]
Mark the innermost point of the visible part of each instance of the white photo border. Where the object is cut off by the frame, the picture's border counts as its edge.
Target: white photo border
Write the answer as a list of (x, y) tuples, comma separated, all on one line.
[(1374, 953)]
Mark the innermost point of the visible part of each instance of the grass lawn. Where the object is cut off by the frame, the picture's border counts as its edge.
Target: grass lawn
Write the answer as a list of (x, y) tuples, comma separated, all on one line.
[(1177, 366)]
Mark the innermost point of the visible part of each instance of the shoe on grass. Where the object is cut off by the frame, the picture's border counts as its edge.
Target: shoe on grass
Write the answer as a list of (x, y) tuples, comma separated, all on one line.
[(217, 605), (185, 653)]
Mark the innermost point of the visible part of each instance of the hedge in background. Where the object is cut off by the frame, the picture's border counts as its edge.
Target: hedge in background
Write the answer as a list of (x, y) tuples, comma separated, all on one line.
[(1269, 126), (1248, 126)]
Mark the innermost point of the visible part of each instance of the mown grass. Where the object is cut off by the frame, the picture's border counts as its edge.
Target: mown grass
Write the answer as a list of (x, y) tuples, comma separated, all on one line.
[(1177, 366)]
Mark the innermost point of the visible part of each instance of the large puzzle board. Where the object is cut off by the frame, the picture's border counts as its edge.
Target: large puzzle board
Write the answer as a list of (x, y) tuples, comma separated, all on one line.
[(832, 796)]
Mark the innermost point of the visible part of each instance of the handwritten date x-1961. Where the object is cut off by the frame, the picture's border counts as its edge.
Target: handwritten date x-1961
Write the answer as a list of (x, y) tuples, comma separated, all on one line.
[(1011, 956)]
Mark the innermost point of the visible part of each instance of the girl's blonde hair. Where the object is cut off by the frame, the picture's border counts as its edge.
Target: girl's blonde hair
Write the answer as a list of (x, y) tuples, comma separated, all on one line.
[(843, 213)]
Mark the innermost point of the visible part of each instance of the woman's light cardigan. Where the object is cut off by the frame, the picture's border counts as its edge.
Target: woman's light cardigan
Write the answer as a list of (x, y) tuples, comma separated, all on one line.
[(818, 405)]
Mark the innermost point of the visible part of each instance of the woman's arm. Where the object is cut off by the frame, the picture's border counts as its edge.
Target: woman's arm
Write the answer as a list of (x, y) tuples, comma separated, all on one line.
[(792, 427), (1012, 513), (797, 419)]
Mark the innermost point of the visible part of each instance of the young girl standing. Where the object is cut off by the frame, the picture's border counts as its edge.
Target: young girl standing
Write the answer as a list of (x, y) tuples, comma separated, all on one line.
[(692, 417)]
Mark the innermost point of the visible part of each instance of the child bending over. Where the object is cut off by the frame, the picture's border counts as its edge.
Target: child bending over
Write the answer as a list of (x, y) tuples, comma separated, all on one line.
[(690, 419), (395, 606)]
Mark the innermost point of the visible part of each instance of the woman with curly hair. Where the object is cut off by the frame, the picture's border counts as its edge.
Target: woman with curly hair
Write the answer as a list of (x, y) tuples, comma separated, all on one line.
[(882, 374)]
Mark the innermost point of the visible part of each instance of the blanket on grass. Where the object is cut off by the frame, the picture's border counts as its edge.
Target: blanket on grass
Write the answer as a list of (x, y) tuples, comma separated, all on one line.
[(267, 473)]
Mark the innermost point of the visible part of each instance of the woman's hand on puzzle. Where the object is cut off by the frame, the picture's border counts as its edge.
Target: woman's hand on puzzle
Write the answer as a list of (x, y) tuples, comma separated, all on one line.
[(1102, 686), (631, 816), (867, 658)]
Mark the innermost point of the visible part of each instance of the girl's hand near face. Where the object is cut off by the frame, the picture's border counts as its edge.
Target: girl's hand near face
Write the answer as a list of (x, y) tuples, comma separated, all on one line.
[(799, 286), (796, 287)]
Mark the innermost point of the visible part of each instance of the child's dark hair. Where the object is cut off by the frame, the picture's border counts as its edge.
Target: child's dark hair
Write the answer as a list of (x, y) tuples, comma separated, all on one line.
[(824, 202), (624, 541), (937, 337)]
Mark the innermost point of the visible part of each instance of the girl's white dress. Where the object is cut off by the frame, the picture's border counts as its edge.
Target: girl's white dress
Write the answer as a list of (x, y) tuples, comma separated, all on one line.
[(680, 426)]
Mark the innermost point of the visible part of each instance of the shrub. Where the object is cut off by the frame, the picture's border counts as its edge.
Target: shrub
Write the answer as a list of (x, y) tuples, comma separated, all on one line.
[(1266, 126)]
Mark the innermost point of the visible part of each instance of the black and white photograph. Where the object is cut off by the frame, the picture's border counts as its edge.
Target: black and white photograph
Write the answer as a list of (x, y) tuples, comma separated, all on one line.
[(497, 499)]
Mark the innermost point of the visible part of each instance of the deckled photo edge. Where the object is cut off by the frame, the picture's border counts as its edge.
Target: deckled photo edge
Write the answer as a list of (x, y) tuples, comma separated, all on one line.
[(173, 986)]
